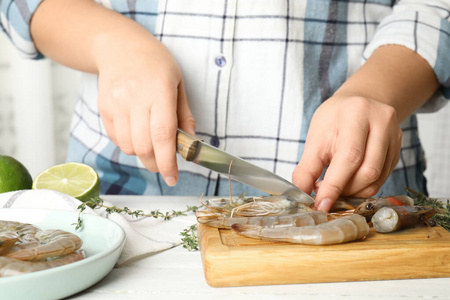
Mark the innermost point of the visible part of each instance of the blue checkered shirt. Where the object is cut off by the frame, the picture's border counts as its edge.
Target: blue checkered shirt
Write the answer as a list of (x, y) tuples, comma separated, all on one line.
[(255, 72)]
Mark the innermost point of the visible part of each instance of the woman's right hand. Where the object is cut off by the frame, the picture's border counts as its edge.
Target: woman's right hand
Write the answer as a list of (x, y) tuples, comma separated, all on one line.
[(142, 100), (141, 95)]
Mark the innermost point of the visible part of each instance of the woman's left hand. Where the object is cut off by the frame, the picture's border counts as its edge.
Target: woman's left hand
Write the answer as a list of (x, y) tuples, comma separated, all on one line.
[(359, 139)]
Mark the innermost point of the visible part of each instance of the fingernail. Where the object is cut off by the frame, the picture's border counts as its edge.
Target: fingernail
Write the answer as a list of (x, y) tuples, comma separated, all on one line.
[(325, 205), (170, 180)]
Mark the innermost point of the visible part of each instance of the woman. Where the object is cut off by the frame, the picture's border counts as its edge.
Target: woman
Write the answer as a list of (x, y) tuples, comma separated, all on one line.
[(298, 87)]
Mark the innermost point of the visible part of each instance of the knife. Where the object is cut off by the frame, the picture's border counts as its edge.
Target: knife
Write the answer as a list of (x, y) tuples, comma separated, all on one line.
[(195, 150)]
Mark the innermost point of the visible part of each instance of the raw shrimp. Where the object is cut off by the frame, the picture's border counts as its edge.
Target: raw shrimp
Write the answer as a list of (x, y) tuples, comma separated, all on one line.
[(370, 206), (11, 266), (221, 211), (297, 219), (392, 218), (341, 230), (254, 206), (50, 243), (26, 232), (15, 232)]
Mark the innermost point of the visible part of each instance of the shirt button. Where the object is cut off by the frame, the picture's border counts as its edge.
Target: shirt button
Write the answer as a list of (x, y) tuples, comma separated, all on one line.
[(215, 141), (220, 61)]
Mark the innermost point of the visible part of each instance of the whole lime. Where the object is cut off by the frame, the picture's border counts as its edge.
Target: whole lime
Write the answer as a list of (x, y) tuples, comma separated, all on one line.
[(13, 175)]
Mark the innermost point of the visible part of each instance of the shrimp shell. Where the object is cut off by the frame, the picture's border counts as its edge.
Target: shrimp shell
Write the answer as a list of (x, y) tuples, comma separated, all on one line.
[(341, 230), (297, 219), (7, 240), (392, 218), (266, 206), (26, 232), (219, 212), (11, 266), (52, 242)]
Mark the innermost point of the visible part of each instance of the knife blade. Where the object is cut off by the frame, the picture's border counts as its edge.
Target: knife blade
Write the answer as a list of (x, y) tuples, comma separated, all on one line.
[(197, 151)]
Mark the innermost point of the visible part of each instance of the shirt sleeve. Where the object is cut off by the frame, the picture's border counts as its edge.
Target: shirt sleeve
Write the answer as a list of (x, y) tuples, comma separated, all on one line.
[(424, 27), (15, 17)]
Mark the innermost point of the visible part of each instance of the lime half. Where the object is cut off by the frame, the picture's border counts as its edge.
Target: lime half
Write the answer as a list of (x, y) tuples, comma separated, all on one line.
[(13, 175), (75, 179)]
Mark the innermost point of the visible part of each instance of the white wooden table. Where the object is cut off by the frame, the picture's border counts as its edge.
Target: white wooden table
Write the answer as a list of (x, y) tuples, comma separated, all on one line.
[(178, 274)]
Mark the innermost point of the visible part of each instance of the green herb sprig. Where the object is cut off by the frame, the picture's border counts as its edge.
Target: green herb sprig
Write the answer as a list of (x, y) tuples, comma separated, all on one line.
[(442, 217), (189, 239)]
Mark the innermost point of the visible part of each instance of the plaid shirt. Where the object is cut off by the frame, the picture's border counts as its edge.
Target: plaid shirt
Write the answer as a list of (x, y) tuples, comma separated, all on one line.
[(255, 72)]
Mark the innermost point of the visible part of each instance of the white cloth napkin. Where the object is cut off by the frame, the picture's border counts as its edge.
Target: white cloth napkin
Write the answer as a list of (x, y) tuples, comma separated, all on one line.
[(144, 235)]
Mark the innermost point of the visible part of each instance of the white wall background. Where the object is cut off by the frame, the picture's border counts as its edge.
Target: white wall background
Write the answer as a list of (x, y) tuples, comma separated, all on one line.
[(36, 103), (435, 136), (37, 100)]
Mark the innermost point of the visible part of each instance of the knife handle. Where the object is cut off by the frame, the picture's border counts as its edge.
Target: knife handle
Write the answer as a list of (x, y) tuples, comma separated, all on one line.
[(186, 145)]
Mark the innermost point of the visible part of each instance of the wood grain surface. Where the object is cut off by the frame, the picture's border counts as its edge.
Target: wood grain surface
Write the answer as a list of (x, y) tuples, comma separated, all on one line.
[(233, 260)]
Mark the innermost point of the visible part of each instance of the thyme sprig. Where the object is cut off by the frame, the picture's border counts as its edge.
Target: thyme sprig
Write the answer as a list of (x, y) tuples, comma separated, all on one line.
[(189, 239), (442, 217)]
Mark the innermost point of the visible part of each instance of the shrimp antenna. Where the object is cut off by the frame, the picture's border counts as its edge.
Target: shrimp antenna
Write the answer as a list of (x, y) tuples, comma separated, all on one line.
[(229, 182), (201, 200)]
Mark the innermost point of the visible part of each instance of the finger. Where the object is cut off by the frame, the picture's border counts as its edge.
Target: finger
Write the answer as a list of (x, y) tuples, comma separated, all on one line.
[(317, 186), (310, 166), (121, 125), (163, 127), (347, 158), (186, 120), (396, 154), (392, 158), (374, 163), (106, 118), (141, 139), (396, 151), (109, 128), (371, 189), (314, 159)]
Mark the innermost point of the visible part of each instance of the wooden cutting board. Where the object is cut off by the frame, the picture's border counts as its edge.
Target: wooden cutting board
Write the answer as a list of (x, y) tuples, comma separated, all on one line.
[(233, 260)]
